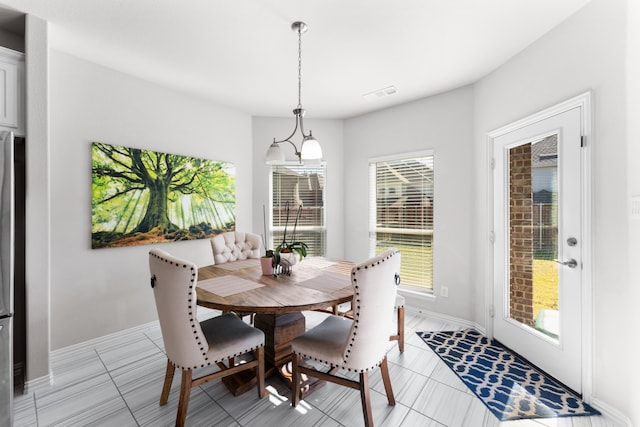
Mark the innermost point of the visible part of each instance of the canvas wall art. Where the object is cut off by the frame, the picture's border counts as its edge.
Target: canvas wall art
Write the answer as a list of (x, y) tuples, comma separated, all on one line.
[(141, 197)]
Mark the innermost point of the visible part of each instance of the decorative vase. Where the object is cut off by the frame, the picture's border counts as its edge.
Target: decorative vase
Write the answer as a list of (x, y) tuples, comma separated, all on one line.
[(287, 261), (267, 266)]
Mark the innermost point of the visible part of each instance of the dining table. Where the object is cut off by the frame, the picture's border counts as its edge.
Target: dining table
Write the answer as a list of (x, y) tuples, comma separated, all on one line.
[(315, 283)]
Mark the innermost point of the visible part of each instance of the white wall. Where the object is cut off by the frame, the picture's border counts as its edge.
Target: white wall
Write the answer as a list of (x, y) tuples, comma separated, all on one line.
[(100, 291), (586, 52), (329, 134), (633, 171), (444, 124), (37, 217)]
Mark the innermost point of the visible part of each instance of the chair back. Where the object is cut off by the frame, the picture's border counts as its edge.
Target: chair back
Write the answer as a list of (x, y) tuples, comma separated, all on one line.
[(235, 246), (374, 295), (174, 287)]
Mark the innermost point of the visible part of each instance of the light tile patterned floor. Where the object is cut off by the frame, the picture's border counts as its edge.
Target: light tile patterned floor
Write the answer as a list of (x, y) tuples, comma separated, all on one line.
[(116, 381)]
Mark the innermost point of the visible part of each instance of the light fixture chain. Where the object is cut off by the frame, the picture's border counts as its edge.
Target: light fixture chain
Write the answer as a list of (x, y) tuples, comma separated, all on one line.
[(300, 67)]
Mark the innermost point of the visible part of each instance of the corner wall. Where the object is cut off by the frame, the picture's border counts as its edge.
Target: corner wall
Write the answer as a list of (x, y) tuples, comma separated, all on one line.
[(633, 171), (442, 123), (586, 52), (37, 218), (95, 292)]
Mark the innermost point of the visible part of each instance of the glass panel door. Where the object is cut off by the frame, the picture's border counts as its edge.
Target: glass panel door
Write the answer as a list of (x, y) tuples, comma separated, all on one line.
[(533, 235)]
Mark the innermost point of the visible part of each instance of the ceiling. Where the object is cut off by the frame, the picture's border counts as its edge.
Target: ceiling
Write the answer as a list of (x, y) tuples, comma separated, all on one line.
[(243, 54)]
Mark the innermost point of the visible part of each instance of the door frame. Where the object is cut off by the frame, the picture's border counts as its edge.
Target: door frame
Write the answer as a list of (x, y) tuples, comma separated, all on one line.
[(582, 101)]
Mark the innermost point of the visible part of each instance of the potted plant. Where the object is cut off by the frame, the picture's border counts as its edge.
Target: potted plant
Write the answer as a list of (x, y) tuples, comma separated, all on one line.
[(281, 259), (295, 247)]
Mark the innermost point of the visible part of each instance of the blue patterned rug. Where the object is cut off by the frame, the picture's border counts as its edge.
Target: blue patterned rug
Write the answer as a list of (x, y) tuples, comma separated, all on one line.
[(508, 385)]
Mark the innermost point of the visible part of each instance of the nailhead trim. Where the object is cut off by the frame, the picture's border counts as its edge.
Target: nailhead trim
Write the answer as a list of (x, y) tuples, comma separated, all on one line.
[(193, 319), (356, 311)]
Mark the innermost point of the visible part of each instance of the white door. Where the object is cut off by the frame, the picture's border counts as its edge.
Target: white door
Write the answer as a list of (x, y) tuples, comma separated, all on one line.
[(538, 243)]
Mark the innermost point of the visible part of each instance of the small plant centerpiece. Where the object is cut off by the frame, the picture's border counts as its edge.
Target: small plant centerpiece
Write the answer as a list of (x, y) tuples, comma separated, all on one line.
[(287, 252)]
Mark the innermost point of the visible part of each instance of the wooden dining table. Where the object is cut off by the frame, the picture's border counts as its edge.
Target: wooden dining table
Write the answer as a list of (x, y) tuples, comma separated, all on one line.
[(316, 283)]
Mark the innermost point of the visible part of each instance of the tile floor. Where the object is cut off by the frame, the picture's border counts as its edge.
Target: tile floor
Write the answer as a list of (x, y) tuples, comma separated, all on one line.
[(116, 381)]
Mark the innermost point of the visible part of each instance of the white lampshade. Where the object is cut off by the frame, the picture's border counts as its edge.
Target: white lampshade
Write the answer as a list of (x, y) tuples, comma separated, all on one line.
[(311, 149), (274, 154)]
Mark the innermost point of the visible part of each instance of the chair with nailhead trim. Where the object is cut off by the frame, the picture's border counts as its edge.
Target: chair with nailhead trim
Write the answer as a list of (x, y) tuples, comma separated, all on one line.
[(354, 345), (190, 344), (235, 246), (399, 307)]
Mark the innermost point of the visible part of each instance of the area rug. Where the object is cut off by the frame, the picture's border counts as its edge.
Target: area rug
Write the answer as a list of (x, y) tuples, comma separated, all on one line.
[(507, 384)]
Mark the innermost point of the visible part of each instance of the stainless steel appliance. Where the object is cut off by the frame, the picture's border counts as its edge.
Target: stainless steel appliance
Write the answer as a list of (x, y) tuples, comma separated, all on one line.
[(6, 276)]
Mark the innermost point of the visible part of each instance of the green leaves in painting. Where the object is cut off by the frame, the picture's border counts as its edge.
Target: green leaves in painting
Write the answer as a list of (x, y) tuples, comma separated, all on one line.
[(165, 196)]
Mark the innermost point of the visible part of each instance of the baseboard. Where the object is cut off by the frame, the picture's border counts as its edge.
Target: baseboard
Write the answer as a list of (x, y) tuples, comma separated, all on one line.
[(35, 384), (612, 413), (462, 323)]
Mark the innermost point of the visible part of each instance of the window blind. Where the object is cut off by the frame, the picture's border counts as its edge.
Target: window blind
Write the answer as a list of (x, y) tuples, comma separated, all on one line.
[(293, 186), (401, 215)]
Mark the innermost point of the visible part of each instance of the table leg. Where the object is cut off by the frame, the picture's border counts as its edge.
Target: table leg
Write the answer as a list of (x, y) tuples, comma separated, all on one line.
[(278, 330)]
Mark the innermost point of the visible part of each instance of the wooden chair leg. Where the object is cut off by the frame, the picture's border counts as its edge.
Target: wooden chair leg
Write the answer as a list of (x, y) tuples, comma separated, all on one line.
[(168, 379), (384, 370), (401, 329), (185, 392), (259, 355), (366, 399), (295, 380)]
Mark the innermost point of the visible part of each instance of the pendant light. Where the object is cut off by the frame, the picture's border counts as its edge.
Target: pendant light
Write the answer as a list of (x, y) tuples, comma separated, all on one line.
[(309, 147)]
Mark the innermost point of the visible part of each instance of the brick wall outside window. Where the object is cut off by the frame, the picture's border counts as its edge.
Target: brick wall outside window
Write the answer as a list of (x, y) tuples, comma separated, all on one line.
[(521, 234)]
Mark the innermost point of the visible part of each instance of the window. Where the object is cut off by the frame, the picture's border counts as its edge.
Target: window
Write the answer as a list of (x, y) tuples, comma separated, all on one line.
[(299, 185), (401, 214)]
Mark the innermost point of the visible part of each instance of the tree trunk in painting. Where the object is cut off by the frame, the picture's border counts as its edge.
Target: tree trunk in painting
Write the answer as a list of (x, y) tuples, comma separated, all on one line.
[(157, 214)]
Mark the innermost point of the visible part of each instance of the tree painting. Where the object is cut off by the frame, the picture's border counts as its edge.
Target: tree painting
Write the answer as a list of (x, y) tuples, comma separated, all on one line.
[(141, 197)]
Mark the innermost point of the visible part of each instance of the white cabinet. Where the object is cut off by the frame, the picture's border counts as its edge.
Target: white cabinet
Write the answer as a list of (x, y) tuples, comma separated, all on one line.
[(12, 90)]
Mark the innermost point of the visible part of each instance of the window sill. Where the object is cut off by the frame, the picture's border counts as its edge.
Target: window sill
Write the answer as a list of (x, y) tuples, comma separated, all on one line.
[(417, 295)]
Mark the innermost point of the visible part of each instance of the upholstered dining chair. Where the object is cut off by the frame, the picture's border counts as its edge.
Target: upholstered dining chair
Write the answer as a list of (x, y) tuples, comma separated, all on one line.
[(399, 307), (358, 344), (235, 246), (191, 344)]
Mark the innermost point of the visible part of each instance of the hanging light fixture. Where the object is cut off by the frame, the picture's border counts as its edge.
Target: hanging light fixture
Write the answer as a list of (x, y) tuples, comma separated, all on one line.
[(309, 147)]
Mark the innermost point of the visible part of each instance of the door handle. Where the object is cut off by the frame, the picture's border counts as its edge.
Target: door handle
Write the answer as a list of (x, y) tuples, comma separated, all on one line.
[(572, 263)]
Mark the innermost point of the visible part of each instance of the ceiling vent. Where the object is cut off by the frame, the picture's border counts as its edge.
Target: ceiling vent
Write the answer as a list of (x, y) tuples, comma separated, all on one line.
[(380, 93)]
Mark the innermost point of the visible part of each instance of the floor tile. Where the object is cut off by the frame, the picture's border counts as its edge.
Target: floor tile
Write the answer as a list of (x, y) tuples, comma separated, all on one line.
[(24, 411), (414, 418), (93, 401), (407, 385), (136, 348), (116, 380), (443, 403), (479, 416)]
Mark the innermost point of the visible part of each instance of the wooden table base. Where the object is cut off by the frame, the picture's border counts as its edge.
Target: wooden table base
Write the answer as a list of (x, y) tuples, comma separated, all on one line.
[(278, 330)]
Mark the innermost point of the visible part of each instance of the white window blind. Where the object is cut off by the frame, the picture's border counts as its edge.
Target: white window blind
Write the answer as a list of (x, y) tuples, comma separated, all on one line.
[(401, 215), (293, 186)]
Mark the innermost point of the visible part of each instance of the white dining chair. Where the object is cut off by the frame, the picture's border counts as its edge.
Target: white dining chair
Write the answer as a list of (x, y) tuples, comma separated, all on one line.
[(355, 345), (190, 344), (235, 246)]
